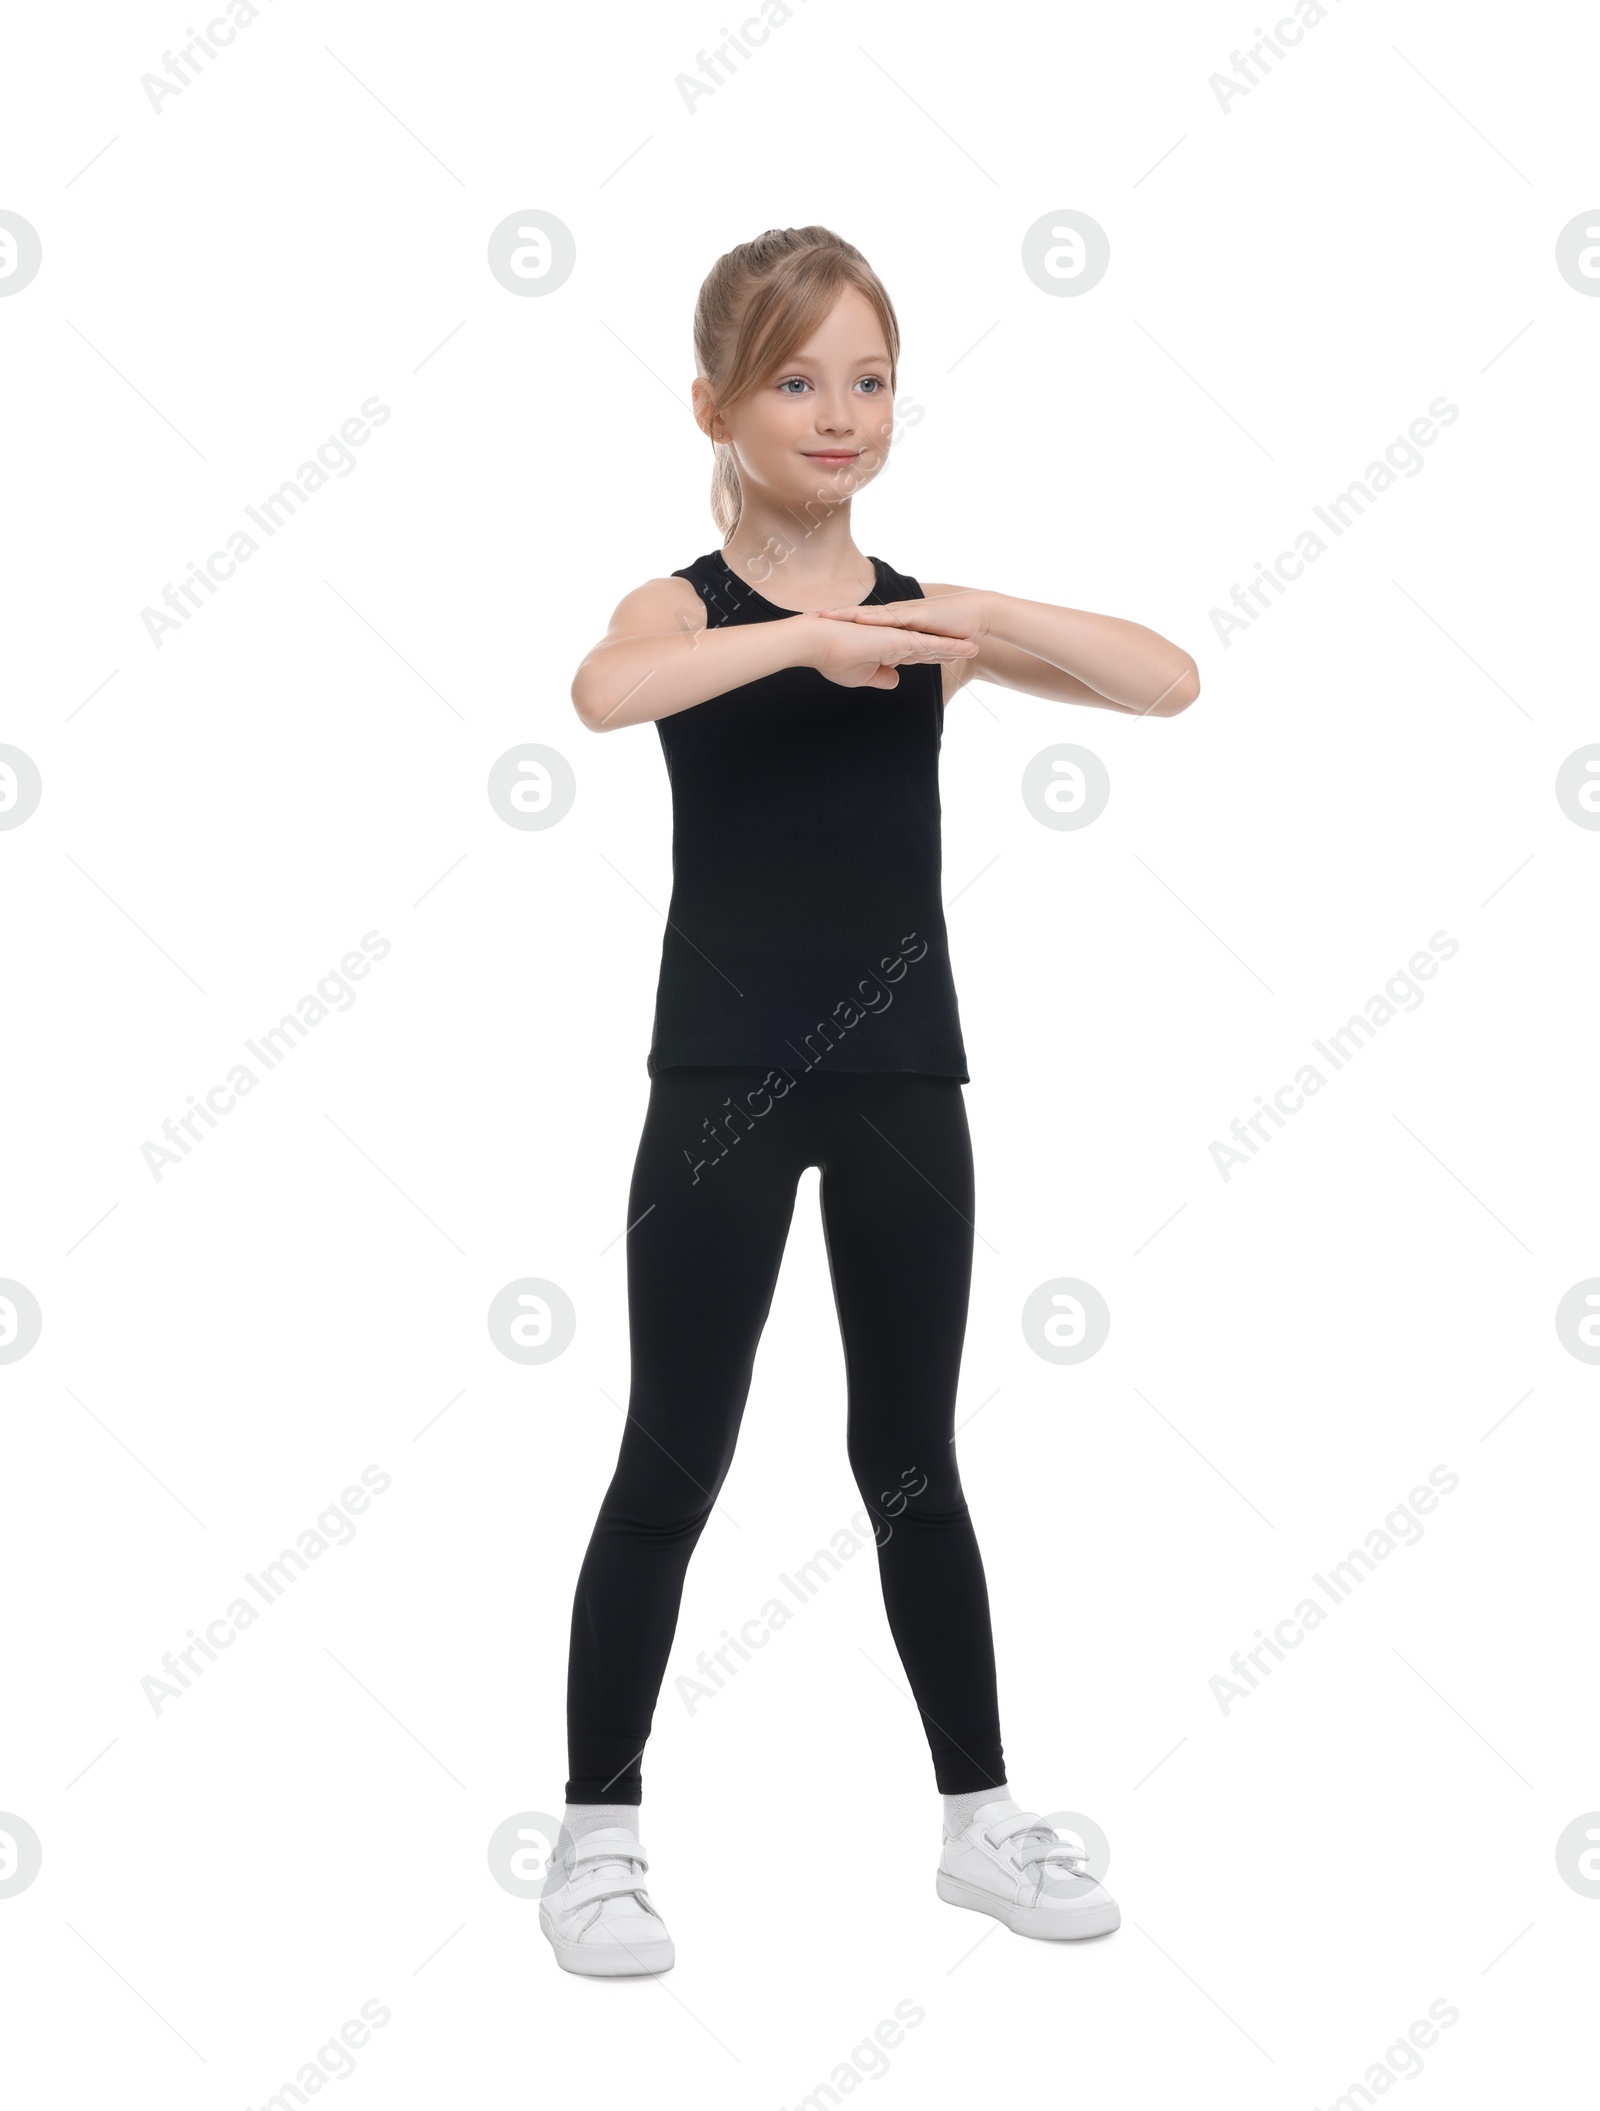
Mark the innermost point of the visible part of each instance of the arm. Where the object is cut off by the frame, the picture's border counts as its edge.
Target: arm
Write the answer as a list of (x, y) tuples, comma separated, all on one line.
[(659, 656), (1065, 654)]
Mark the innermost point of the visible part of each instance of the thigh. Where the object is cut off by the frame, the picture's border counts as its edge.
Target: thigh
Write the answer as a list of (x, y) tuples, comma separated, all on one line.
[(897, 1204), (708, 1218)]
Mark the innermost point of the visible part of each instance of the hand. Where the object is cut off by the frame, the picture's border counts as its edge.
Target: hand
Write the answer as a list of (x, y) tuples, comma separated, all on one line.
[(964, 615), (865, 656)]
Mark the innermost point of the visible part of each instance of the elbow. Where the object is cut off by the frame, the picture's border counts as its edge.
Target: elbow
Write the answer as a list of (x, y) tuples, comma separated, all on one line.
[(590, 708), (1180, 693)]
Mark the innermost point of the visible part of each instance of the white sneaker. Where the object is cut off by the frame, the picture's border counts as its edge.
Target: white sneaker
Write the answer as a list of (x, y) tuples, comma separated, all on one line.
[(601, 1920), (1009, 1863)]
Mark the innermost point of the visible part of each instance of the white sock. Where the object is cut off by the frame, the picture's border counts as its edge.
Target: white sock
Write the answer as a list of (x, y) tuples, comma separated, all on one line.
[(959, 1811), (579, 1818)]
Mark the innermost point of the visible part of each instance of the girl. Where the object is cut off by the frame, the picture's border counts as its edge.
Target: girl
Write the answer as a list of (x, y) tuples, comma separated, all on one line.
[(806, 1016)]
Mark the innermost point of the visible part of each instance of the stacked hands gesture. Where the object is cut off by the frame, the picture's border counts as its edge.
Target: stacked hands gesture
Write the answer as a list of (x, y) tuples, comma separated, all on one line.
[(861, 648), (1064, 654)]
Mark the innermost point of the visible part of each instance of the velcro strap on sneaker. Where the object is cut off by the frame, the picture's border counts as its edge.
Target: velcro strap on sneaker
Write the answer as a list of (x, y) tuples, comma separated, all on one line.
[(1002, 1829), (606, 1845), (1068, 1856), (592, 1884)]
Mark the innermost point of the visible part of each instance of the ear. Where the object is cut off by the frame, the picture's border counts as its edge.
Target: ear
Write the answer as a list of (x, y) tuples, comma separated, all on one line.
[(704, 414)]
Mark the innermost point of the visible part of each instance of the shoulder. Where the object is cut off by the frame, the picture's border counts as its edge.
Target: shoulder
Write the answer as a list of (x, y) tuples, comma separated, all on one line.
[(671, 603)]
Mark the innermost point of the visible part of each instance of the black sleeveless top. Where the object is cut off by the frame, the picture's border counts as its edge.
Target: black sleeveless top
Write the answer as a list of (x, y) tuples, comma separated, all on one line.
[(806, 928)]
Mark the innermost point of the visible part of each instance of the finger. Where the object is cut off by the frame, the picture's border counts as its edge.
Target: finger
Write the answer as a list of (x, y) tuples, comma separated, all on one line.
[(922, 617), (937, 644), (944, 649)]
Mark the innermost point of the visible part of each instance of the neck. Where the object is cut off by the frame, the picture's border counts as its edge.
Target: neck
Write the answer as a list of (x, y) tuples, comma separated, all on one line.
[(803, 545)]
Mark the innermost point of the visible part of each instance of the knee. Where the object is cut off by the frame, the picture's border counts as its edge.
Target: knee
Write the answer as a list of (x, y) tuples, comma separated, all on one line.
[(655, 1499), (631, 1513), (901, 1493)]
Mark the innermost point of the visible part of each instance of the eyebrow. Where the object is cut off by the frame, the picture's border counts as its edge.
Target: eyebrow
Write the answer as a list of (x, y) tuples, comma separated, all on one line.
[(861, 358)]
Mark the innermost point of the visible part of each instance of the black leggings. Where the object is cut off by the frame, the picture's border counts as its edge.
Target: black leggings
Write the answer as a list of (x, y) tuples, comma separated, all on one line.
[(712, 1195)]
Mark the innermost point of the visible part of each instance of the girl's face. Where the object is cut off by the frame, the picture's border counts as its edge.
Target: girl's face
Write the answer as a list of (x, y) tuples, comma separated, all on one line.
[(820, 425)]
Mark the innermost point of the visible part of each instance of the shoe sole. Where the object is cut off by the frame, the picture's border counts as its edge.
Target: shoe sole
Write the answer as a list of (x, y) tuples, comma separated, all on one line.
[(615, 1961), (1042, 1921)]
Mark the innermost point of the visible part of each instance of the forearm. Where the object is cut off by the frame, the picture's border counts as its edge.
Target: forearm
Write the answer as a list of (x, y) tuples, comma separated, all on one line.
[(1135, 667), (631, 681)]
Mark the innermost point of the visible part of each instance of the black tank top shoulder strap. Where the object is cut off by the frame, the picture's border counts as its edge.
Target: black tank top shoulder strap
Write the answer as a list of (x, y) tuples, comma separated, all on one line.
[(896, 586), (726, 598)]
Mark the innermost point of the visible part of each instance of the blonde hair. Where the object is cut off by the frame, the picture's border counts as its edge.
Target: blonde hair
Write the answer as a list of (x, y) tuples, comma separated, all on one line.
[(757, 306)]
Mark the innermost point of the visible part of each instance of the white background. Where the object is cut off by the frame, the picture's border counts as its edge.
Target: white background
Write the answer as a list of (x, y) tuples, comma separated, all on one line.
[(1291, 1350)]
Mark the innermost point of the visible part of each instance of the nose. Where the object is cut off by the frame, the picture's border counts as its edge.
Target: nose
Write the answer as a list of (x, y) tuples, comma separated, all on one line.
[(835, 416)]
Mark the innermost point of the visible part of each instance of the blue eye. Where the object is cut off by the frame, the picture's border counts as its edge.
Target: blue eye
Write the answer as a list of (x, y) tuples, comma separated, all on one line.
[(878, 386)]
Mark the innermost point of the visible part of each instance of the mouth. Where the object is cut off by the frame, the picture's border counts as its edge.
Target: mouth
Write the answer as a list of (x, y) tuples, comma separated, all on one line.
[(832, 457)]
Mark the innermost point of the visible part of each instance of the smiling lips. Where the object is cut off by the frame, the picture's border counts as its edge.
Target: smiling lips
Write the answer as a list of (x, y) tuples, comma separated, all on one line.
[(831, 454)]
